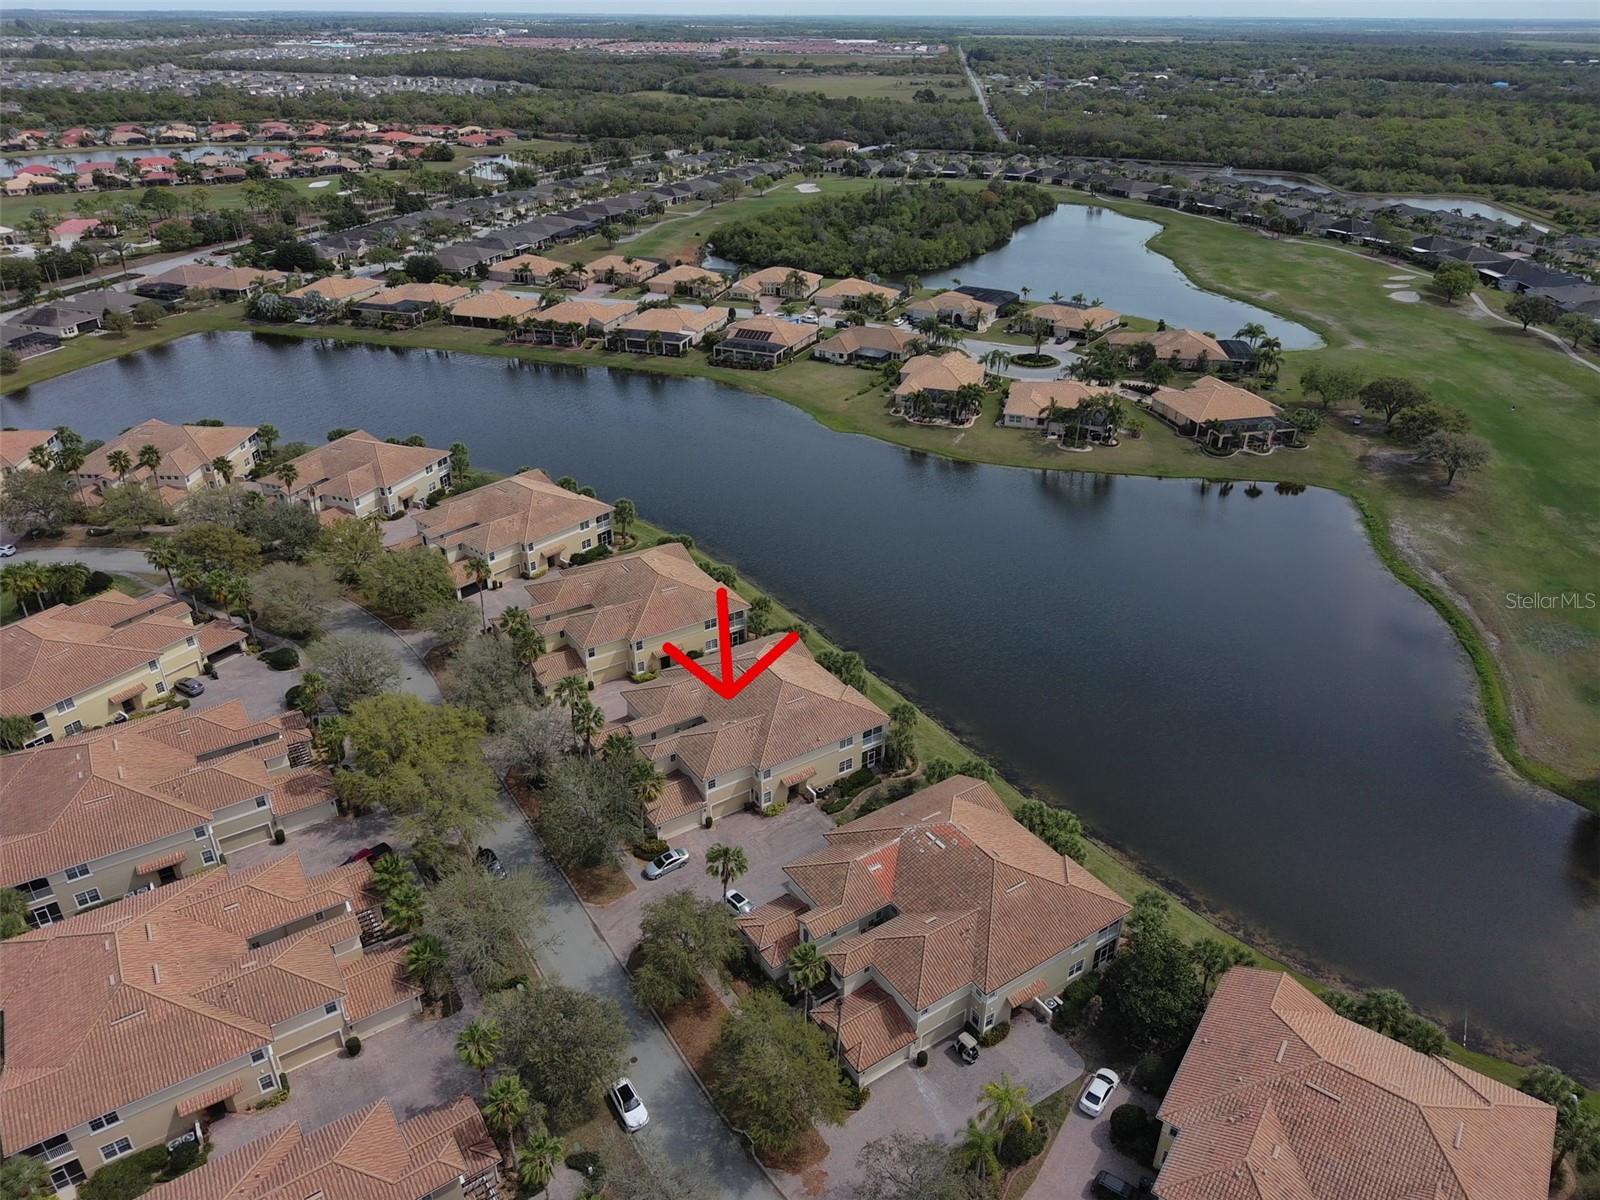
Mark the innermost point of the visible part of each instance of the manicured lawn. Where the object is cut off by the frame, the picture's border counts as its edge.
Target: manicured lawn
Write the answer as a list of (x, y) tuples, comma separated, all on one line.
[(93, 348)]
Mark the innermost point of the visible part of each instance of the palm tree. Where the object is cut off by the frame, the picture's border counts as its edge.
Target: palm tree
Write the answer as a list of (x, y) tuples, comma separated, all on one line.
[(537, 1162), (506, 1106), (149, 457), (1252, 333), (1056, 297), (190, 575), (288, 473), (1005, 1104), (41, 457), (809, 970), (727, 863), (477, 1046), (996, 361), (65, 581), (570, 689), (480, 570), (120, 461), (587, 720), (979, 1150), (623, 514), (645, 783), (426, 962), (223, 466), (232, 590), (268, 436), (22, 580), (1269, 356)]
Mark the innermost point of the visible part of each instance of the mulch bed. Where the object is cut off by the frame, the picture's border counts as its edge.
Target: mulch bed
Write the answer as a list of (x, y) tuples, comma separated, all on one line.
[(597, 885)]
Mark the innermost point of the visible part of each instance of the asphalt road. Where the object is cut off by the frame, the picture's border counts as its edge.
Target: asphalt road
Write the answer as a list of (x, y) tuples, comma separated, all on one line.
[(684, 1126)]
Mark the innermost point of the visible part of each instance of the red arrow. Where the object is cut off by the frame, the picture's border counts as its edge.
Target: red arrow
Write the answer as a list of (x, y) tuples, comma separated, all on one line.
[(730, 684)]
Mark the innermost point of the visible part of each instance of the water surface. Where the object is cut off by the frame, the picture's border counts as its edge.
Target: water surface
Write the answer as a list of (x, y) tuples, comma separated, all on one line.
[(1101, 253), (1230, 687)]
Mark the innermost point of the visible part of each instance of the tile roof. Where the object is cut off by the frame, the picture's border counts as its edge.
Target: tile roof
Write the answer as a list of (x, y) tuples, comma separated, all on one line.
[(632, 597), (495, 305), (445, 295), (675, 320), (1032, 398), (1212, 399), (752, 283), (685, 274), (1279, 1096), (938, 373), (977, 898), (794, 708), (869, 337), (358, 463), (533, 264), (365, 1155), (1186, 344), (621, 267), (770, 329), (960, 302), (583, 312), (337, 288), (187, 448), (851, 288), (1072, 317), (124, 1001), (872, 1026), (67, 650), (520, 510)]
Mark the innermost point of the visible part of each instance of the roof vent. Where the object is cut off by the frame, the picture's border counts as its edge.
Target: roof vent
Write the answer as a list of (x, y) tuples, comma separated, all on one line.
[(877, 866), (1283, 1048), (1322, 1091), (1018, 884), (1461, 1133), (138, 1012), (155, 972), (149, 931)]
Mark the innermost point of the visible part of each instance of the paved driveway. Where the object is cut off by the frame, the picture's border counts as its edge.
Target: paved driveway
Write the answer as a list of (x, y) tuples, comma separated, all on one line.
[(768, 842), (1083, 1148), (246, 678), (978, 347), (936, 1101), (323, 846)]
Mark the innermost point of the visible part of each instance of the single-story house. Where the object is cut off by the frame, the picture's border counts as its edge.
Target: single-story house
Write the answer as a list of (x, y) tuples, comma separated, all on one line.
[(58, 321), (1030, 402), (1068, 320), (687, 281), (1222, 415), (1183, 349), (335, 289), (666, 330), (852, 292), (409, 304), (538, 270), (492, 309), (571, 321), (954, 308), (787, 282), (762, 342), (866, 346), (623, 270), (938, 375)]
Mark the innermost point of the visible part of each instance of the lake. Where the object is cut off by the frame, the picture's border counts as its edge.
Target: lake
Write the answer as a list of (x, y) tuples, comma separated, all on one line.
[(1229, 687), (1462, 204), (1099, 252)]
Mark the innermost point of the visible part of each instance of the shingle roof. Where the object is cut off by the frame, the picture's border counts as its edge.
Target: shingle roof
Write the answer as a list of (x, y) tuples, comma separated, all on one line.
[(70, 649), (520, 510), (358, 463), (123, 1001), (130, 785), (628, 598), (1279, 1096), (977, 898), (793, 708), (366, 1155)]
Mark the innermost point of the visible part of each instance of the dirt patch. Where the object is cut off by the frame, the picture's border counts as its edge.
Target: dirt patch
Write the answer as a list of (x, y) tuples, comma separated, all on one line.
[(804, 1159), (694, 1026), (600, 885)]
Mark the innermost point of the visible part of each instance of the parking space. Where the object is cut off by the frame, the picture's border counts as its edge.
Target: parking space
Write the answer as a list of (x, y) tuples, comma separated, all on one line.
[(323, 846), (246, 678), (768, 842), (412, 1065), (935, 1101), (1083, 1149)]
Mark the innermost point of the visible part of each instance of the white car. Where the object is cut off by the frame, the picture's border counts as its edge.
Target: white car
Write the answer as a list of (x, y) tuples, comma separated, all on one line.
[(1093, 1100), (635, 1116), (738, 903), (663, 863), (7, 550)]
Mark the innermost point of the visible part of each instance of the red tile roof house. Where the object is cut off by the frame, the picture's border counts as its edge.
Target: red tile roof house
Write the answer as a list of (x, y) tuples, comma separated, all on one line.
[(795, 729), (936, 913), (1278, 1096), (73, 230), (442, 1153), (138, 1023)]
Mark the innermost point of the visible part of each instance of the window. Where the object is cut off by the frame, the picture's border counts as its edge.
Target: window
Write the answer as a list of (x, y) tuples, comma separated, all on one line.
[(767, 774), (258, 1056), (208, 856), (199, 833), (1110, 931), (67, 1175), (153, 665), (331, 1007), (583, 525), (268, 1082), (1077, 969), (56, 1148), (96, 1124), (847, 766), (190, 641), (83, 899), (45, 914), (74, 727), (261, 801), (587, 543), (161, 686), (66, 705), (711, 784), (590, 652), (766, 797), (711, 645), (988, 1020), (77, 872), (116, 1149), (1105, 954), (875, 731), (846, 742), (638, 645)]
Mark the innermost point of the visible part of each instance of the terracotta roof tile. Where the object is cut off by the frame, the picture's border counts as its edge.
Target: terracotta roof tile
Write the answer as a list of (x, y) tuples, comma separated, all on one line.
[(356, 464), (510, 513), (632, 597)]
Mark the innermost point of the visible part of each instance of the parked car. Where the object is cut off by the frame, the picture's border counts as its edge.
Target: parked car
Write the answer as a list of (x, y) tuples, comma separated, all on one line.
[(739, 903), (630, 1108), (490, 862), (7, 550), (1107, 1184), (189, 686), (370, 853), (1093, 1100), (667, 862)]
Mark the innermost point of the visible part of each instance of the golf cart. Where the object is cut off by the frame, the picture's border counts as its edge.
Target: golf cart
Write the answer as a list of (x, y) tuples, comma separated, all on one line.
[(967, 1047)]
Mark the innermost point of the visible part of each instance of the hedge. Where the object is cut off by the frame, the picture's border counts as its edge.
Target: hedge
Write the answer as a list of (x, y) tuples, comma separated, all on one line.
[(283, 658)]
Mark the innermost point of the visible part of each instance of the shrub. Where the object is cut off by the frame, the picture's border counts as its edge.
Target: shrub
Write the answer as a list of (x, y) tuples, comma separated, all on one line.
[(855, 782), (278, 837), (1019, 1144), (1077, 995), (642, 677), (1153, 1073), (836, 804), (182, 1157), (352, 1046), (291, 698), (995, 1034), (98, 582), (284, 658), (120, 1181), (682, 539), (922, 1058), (587, 1163), (648, 848), (856, 1097), (1135, 1132)]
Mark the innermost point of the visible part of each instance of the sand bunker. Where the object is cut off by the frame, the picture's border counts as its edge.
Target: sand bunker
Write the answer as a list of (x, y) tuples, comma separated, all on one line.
[(319, 183), (1403, 278), (1405, 297), (806, 187)]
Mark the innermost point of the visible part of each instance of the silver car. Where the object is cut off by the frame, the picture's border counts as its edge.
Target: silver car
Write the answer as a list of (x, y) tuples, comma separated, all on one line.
[(665, 863)]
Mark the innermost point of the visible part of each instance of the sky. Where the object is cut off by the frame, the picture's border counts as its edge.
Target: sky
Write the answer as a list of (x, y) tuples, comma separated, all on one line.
[(1586, 11)]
